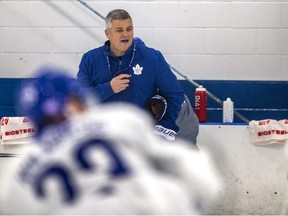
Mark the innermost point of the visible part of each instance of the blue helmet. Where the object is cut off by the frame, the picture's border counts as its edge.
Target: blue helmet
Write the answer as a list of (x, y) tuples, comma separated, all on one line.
[(46, 95)]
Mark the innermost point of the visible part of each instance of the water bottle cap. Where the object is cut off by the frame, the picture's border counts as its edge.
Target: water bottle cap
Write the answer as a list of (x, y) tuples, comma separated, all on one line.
[(228, 99), (200, 87)]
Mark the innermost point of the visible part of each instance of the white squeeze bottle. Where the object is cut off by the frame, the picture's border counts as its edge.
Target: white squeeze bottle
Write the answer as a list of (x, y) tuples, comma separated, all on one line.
[(228, 110)]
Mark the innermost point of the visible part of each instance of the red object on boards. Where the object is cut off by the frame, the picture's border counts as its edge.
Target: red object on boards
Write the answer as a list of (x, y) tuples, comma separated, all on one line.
[(201, 104)]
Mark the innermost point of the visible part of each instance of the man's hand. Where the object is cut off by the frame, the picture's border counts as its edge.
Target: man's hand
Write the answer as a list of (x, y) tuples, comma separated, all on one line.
[(120, 83)]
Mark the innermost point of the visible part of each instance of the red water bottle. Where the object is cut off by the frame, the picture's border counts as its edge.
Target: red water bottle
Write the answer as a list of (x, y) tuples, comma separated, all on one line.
[(201, 103)]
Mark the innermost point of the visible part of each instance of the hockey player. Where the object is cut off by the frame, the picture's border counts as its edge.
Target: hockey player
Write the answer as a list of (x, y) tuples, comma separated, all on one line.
[(100, 159)]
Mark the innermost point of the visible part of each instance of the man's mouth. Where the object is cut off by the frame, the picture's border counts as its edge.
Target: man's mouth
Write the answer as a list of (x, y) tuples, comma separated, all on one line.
[(124, 40)]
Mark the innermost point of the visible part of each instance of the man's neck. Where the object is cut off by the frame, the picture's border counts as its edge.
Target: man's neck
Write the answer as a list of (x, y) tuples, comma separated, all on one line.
[(117, 53)]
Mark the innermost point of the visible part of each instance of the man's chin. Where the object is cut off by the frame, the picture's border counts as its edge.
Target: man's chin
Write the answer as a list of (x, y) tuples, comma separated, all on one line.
[(125, 47)]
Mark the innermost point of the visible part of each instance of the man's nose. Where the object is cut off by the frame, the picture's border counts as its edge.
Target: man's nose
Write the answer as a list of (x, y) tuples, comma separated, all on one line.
[(125, 33)]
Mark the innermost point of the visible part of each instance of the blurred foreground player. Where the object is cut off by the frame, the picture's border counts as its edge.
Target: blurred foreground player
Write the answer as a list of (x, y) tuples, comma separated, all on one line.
[(100, 160)]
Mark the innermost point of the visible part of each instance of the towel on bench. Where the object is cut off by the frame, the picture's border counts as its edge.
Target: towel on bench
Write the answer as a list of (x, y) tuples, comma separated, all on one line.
[(16, 130), (268, 131)]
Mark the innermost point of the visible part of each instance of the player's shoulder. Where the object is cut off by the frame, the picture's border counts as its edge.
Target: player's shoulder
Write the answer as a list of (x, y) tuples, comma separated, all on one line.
[(125, 109), (124, 114)]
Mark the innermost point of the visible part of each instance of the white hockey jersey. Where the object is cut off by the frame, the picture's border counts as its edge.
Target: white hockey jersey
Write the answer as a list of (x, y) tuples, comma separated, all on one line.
[(107, 161)]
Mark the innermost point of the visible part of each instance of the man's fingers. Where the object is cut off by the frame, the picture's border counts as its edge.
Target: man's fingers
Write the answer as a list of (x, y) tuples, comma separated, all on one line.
[(124, 76), (124, 81), (120, 82)]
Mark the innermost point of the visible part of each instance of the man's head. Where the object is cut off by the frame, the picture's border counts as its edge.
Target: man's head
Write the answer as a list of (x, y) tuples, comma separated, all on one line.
[(119, 31), (50, 97)]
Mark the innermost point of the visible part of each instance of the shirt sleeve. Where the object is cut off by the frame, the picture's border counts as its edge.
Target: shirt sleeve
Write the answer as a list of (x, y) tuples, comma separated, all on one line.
[(171, 90), (84, 76)]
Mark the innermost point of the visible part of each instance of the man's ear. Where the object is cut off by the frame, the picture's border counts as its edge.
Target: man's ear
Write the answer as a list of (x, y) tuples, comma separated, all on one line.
[(107, 33)]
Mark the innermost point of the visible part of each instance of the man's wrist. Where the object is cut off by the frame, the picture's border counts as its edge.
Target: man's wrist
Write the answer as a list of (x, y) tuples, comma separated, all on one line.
[(164, 132)]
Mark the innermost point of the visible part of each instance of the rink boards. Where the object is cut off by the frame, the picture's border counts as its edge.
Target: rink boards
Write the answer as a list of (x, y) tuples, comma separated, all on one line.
[(255, 177), (255, 100)]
